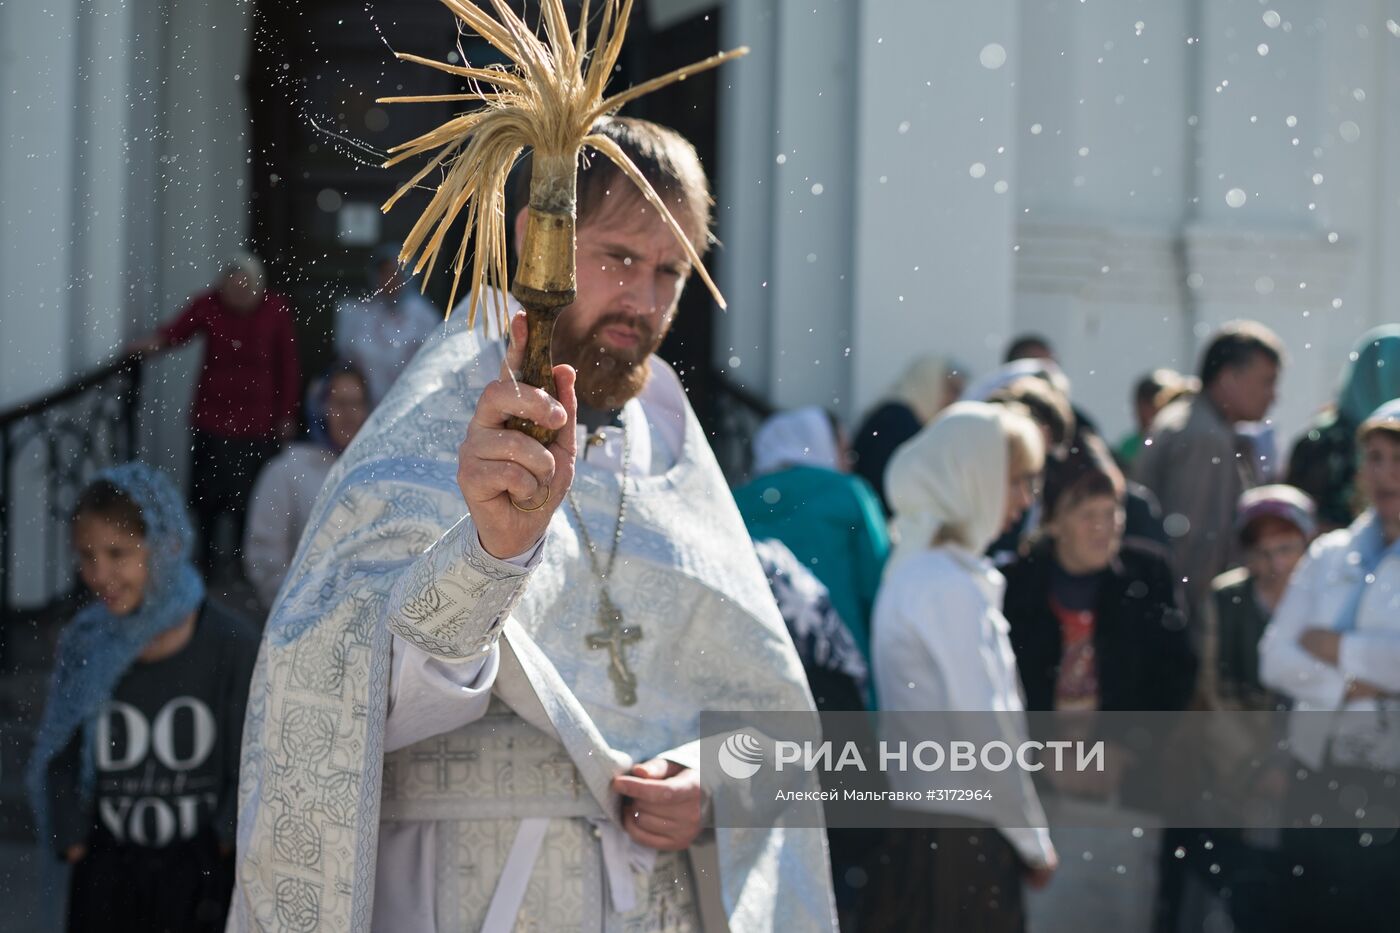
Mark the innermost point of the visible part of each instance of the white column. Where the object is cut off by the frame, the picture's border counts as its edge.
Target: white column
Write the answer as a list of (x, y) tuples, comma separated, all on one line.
[(933, 244), (103, 194), (812, 190), (202, 195), (743, 189), (39, 71), (786, 198)]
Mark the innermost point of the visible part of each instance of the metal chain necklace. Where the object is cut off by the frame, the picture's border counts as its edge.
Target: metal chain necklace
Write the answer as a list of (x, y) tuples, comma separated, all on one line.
[(615, 635)]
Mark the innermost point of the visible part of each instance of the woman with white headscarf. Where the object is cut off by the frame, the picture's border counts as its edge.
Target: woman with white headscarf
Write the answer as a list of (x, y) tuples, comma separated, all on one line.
[(929, 384), (940, 643), (830, 520)]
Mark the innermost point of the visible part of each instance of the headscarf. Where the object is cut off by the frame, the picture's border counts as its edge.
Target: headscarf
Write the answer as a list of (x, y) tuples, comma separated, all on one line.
[(801, 437), (1000, 378), (952, 475), (1372, 377), (318, 397), (1277, 501), (1387, 415), (97, 647), (923, 386)]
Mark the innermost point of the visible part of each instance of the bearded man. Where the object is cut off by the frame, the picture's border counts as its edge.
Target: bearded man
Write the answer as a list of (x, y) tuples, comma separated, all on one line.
[(477, 702)]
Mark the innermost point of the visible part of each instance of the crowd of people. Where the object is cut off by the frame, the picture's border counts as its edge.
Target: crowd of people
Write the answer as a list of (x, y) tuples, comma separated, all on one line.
[(1038, 569), (975, 544)]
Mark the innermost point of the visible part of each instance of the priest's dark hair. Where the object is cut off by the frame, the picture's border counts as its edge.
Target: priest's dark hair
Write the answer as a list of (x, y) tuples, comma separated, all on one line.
[(663, 156)]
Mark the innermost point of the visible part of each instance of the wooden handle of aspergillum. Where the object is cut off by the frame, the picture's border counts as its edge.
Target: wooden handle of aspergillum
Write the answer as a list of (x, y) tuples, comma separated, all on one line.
[(544, 280)]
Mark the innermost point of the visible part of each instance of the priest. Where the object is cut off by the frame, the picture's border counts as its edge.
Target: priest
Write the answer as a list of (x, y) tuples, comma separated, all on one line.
[(477, 702)]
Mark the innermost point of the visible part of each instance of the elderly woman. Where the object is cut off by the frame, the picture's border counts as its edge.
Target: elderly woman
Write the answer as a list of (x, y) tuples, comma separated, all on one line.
[(1333, 647), (249, 390), (829, 519), (1095, 625), (940, 643)]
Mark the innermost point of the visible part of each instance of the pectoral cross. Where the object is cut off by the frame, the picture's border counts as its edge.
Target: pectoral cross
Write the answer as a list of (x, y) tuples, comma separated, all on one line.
[(615, 637)]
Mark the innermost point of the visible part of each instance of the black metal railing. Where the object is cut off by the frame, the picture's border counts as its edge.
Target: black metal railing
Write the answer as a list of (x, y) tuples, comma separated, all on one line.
[(49, 448), (737, 413)]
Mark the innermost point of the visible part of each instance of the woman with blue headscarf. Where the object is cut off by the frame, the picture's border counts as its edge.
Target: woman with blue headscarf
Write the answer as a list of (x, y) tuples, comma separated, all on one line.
[(337, 406), (133, 776), (1323, 463)]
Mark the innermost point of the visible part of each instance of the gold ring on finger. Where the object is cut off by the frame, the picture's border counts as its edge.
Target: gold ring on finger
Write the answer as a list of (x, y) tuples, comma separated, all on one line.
[(531, 508)]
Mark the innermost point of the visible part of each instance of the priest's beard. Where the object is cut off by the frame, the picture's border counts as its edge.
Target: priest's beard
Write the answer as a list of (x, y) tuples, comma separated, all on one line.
[(608, 377)]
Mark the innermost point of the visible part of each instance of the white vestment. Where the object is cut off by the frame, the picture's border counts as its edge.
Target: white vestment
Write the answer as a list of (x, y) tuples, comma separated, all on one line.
[(505, 804)]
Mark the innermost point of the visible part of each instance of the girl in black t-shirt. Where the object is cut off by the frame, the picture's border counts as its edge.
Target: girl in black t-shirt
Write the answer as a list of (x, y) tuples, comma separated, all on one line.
[(133, 777)]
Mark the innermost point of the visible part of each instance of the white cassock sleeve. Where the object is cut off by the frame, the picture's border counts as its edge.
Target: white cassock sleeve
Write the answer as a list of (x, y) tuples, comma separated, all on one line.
[(430, 694)]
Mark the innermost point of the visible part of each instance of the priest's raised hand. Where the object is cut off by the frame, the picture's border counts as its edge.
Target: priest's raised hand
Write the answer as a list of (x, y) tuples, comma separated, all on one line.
[(512, 483)]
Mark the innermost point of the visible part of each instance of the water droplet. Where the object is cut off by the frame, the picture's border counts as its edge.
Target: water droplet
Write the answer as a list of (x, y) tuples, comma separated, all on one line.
[(1349, 131), (992, 56), (1272, 19), (1036, 129), (1236, 197), (1262, 49), (977, 169), (1290, 121), (1000, 187), (817, 188)]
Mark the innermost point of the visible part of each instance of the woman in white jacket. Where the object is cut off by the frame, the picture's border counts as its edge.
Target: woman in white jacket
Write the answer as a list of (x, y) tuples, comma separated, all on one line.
[(1333, 647), (940, 643), (287, 487)]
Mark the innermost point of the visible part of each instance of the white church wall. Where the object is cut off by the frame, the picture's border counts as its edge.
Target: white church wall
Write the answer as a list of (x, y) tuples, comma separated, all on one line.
[(786, 217), (1121, 132), (123, 175), (39, 72), (934, 184)]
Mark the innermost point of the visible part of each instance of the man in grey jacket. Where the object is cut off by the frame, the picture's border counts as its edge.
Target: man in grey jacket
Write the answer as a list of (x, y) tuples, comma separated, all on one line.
[(1196, 462)]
